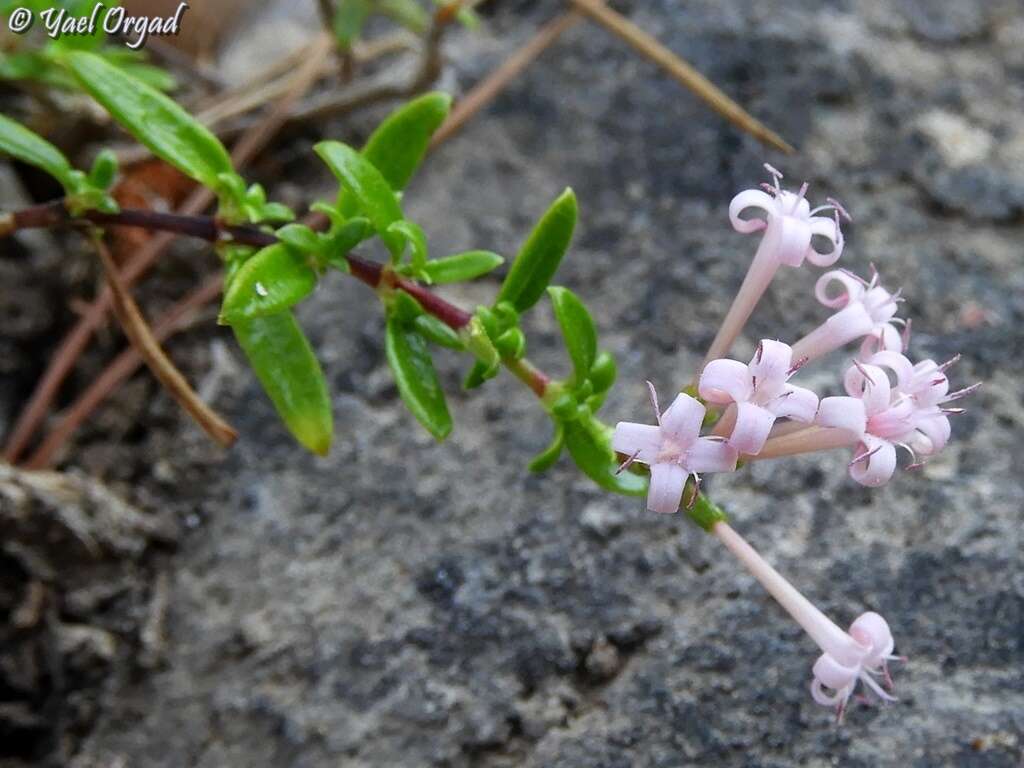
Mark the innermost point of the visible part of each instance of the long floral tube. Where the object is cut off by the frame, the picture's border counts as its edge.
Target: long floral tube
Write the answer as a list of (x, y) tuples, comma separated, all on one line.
[(860, 655)]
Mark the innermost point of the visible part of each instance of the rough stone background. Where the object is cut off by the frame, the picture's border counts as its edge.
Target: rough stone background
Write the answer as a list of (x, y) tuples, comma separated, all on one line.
[(403, 603)]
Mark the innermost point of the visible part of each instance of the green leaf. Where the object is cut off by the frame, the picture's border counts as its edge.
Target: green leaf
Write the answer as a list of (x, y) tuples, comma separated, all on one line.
[(274, 279), (283, 360), (22, 144), (437, 332), (349, 17), (399, 144), (462, 266), (590, 447), (103, 170), (166, 129), (603, 372), (408, 13), (577, 329), (540, 255), (546, 458), (370, 189), (342, 239), (412, 233), (417, 381)]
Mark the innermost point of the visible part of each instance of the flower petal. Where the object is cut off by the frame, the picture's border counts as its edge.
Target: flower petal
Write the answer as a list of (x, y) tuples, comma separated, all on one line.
[(725, 381), (751, 198), (829, 229), (709, 455), (846, 413), (629, 438), (899, 365), (753, 423), (852, 288), (846, 325), (871, 384), (797, 403), (935, 427), (771, 362), (871, 630), (876, 469), (682, 420), (790, 238), (832, 674), (666, 489)]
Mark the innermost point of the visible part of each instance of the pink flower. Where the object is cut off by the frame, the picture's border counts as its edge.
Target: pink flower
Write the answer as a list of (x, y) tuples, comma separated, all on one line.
[(860, 654), (790, 226), (866, 310), (876, 416), (789, 222), (673, 450), (761, 394)]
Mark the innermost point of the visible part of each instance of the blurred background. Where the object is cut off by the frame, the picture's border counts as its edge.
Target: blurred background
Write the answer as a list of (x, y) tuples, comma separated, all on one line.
[(405, 603)]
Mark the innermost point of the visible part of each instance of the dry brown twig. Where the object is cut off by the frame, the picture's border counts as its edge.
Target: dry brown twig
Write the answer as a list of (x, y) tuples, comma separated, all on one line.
[(148, 348)]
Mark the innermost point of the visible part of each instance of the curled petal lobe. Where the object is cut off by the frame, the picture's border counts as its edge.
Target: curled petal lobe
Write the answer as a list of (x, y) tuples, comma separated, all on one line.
[(791, 239), (797, 403), (831, 674), (771, 362), (751, 198), (666, 489), (708, 455), (871, 384), (885, 337), (876, 468), (935, 428), (846, 413), (872, 631), (848, 324), (643, 440), (753, 424), (682, 420), (897, 363), (725, 381), (851, 289), (827, 228)]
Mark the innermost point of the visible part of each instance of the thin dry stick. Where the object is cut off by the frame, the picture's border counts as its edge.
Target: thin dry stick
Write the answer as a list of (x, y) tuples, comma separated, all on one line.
[(148, 348), (487, 90), (176, 319), (684, 73), (76, 341)]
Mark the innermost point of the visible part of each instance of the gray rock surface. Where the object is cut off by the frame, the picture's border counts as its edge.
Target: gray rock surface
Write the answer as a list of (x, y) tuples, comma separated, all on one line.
[(403, 603)]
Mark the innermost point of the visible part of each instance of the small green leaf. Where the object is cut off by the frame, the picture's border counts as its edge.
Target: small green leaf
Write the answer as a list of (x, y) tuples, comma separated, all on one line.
[(603, 372), (274, 279), (704, 512), (462, 266), (342, 239), (590, 447), (349, 17), (577, 329), (437, 332), (408, 13), (410, 361), (300, 237), (22, 144), (546, 458), (103, 170), (413, 234), (370, 189), (283, 361), (511, 344), (399, 144), (169, 132), (540, 255)]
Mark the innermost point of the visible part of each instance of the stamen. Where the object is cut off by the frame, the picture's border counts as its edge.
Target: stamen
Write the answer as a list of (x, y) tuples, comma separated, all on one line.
[(874, 276), (864, 373), (800, 363), (839, 208), (905, 336), (950, 363), (768, 188), (854, 275), (953, 411), (962, 392), (866, 455), (654, 402), (625, 465), (696, 492), (775, 172)]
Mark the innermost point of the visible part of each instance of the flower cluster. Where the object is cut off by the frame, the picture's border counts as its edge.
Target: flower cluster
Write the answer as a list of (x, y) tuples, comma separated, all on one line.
[(890, 403)]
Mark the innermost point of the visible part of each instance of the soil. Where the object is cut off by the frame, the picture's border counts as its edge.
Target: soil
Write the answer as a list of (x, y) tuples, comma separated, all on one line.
[(407, 603)]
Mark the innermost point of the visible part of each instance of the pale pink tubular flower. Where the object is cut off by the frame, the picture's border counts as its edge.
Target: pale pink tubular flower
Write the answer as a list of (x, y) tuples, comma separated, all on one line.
[(789, 224), (866, 311), (673, 450), (862, 654), (761, 393)]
